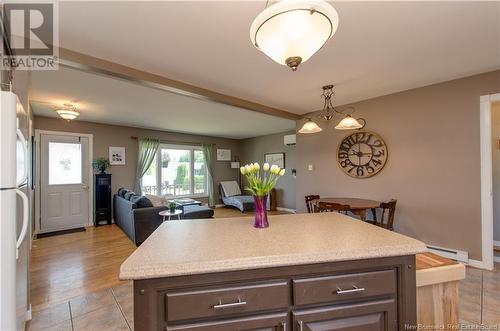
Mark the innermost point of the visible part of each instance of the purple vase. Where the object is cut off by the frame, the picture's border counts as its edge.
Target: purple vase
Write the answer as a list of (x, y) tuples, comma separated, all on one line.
[(260, 212)]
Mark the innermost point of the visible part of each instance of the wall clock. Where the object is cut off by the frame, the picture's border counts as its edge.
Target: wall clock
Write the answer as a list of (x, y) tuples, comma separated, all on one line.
[(362, 154)]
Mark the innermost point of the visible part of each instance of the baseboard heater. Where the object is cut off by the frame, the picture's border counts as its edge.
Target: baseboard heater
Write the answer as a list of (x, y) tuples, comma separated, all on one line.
[(460, 256)]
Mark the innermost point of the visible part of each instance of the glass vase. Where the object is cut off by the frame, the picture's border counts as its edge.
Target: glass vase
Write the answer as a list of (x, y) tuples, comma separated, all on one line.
[(260, 212)]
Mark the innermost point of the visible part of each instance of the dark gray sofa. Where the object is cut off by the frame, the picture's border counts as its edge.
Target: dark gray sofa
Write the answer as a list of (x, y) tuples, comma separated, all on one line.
[(137, 223)]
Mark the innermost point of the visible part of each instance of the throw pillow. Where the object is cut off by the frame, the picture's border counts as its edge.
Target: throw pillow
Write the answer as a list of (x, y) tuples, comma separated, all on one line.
[(128, 195), (141, 201), (121, 192), (230, 188), (156, 200)]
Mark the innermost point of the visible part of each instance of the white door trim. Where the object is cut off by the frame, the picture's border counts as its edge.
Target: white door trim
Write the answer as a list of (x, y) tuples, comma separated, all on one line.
[(486, 181), (38, 133)]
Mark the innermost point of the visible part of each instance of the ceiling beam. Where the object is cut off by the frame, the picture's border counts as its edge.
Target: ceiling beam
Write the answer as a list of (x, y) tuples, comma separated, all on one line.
[(89, 63)]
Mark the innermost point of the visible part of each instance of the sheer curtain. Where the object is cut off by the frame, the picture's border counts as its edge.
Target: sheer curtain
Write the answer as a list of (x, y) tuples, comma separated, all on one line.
[(208, 155), (147, 150)]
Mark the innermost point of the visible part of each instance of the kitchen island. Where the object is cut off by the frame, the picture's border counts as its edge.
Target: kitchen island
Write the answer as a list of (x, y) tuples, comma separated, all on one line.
[(321, 271)]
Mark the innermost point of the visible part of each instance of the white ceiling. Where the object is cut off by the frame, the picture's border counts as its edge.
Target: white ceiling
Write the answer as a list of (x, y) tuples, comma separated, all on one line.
[(379, 48), (113, 101)]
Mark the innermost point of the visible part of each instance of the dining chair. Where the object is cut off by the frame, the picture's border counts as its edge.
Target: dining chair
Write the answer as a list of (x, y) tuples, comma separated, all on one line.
[(387, 217), (311, 207), (333, 207)]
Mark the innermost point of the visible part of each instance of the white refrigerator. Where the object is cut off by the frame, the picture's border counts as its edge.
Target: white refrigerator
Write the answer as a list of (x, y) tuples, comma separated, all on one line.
[(14, 214)]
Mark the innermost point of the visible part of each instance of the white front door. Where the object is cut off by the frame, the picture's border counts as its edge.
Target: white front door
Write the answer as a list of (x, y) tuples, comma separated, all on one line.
[(64, 182)]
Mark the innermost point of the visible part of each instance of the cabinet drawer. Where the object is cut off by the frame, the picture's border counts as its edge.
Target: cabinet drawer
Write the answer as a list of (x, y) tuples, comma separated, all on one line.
[(343, 287), (228, 300), (274, 322), (377, 315)]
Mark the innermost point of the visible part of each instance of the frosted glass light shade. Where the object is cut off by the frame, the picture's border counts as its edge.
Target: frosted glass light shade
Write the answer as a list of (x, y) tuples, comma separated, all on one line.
[(310, 127), (349, 123), (291, 31), (67, 114)]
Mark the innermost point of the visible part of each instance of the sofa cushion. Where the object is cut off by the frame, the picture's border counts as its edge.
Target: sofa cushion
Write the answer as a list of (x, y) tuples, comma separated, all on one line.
[(141, 201), (129, 195), (156, 200), (230, 188)]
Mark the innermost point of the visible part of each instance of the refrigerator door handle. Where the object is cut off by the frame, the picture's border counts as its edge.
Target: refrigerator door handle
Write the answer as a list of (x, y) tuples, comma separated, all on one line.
[(24, 145), (24, 228)]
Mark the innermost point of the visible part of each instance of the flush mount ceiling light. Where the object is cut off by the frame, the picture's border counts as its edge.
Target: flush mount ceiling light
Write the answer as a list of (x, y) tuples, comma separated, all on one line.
[(347, 123), (291, 31), (67, 112)]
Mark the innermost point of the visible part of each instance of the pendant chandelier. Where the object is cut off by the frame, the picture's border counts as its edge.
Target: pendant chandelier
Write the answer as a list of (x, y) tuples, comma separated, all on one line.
[(329, 112), (291, 31), (67, 112)]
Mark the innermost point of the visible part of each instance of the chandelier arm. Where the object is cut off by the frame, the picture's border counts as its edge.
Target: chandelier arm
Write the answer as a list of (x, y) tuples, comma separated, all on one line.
[(364, 122)]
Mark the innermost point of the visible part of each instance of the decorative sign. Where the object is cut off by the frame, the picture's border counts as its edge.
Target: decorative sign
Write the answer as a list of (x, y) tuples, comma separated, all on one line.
[(223, 154), (117, 155), (275, 158), (362, 154)]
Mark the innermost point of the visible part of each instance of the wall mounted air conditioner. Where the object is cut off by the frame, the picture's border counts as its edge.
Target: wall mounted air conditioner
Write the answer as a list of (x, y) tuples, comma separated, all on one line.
[(290, 140)]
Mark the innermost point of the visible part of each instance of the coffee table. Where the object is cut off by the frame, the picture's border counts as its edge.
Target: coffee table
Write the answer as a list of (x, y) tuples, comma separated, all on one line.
[(169, 214)]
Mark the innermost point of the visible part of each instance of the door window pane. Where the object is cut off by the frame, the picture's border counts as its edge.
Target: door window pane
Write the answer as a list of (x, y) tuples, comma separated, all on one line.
[(175, 168), (200, 171), (65, 163), (149, 185)]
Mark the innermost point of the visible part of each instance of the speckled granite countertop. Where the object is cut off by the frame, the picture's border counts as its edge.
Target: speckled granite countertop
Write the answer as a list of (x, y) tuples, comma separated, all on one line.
[(202, 246)]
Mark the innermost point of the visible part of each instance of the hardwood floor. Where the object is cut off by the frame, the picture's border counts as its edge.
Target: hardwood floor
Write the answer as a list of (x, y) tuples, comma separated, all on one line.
[(71, 265), (75, 285), (233, 212)]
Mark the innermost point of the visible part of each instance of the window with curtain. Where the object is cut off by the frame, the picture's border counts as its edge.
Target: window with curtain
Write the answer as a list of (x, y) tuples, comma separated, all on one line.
[(178, 171)]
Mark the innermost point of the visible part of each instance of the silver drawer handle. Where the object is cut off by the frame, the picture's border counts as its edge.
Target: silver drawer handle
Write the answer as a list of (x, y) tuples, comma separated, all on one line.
[(229, 305), (354, 289)]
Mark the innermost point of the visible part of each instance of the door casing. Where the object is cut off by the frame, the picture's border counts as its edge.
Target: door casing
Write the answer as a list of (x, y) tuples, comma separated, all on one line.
[(90, 137)]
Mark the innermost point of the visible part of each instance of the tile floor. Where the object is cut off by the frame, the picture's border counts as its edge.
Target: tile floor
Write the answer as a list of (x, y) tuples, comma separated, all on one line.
[(112, 309)]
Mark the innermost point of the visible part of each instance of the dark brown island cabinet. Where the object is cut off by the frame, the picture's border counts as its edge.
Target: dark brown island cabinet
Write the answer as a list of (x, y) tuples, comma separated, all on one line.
[(365, 294)]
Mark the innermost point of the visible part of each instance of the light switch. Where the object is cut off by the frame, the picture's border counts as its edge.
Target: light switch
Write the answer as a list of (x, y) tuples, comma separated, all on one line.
[(310, 167)]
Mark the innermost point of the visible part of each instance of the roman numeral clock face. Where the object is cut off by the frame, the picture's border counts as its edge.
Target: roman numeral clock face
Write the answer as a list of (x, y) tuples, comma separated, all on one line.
[(362, 154)]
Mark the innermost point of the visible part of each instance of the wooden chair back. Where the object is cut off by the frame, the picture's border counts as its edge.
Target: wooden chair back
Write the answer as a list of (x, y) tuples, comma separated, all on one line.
[(335, 207), (311, 207), (388, 211)]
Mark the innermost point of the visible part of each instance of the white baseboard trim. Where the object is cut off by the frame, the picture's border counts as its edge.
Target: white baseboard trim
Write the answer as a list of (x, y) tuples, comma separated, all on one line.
[(477, 264), (220, 206), (29, 316), (496, 242), (286, 209)]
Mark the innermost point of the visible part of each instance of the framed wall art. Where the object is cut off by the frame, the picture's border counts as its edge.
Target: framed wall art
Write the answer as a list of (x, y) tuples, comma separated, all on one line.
[(116, 155)]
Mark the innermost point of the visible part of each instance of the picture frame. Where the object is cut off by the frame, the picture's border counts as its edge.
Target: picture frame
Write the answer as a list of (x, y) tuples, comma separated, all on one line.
[(223, 154), (116, 155), (275, 158)]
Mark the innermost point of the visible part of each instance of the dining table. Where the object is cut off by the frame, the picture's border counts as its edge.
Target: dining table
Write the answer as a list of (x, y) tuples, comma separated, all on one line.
[(357, 206)]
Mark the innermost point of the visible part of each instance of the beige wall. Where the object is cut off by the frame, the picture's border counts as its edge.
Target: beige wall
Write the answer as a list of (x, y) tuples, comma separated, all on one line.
[(432, 135), (253, 150), (113, 135)]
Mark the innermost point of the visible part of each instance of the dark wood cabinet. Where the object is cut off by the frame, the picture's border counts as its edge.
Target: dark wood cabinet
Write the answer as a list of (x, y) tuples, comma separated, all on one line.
[(274, 322), (102, 198), (365, 295), (366, 316)]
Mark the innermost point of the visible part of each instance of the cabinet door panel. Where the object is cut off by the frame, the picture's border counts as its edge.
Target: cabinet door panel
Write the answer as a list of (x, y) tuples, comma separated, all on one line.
[(367, 316), (272, 322)]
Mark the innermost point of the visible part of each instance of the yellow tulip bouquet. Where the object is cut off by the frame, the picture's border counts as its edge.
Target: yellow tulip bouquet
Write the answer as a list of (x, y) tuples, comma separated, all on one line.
[(260, 184)]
